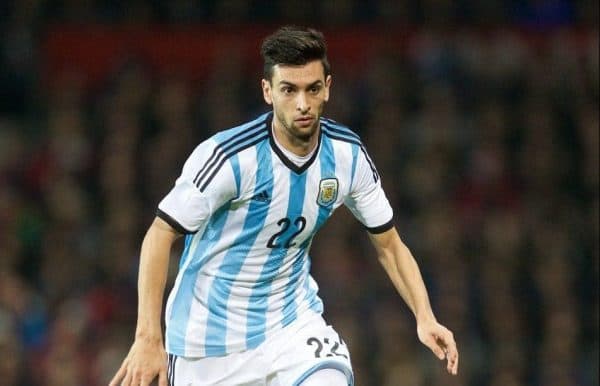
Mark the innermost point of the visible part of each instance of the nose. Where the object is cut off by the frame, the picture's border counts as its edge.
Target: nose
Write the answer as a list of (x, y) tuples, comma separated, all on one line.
[(302, 103)]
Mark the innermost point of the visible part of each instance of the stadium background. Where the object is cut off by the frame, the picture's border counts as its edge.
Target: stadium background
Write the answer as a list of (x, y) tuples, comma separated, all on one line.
[(481, 116)]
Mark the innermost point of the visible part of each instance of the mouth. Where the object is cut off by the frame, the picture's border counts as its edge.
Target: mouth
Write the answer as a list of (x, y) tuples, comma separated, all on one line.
[(304, 121)]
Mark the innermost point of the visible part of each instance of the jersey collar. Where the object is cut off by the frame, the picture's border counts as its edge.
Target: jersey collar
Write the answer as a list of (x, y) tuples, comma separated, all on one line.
[(286, 161)]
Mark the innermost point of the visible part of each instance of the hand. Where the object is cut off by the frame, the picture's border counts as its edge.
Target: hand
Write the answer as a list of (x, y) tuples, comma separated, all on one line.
[(441, 341), (145, 361)]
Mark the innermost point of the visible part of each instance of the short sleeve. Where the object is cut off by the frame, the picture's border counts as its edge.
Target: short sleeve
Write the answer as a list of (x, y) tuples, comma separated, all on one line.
[(206, 183), (367, 200)]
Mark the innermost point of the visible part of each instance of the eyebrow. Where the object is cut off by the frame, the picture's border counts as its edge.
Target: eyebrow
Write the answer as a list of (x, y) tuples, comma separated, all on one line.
[(286, 83)]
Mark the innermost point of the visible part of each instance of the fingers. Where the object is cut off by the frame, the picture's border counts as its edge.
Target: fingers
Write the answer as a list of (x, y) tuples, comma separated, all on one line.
[(453, 363), (127, 380), (436, 348), (120, 374), (162, 378), (131, 377), (145, 380), (135, 378), (450, 351), (142, 365), (441, 342)]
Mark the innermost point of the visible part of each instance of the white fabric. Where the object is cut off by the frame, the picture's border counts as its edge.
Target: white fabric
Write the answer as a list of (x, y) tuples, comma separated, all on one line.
[(326, 377), (288, 358)]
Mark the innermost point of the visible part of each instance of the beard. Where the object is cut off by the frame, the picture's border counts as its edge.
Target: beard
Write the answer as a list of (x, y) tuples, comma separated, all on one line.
[(306, 133), (297, 134)]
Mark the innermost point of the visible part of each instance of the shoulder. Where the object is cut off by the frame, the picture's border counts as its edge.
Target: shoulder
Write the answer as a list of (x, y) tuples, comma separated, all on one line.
[(339, 132), (243, 134), (214, 151), (349, 143)]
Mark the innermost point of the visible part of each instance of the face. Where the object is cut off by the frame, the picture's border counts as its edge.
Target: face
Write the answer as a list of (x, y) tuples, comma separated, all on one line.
[(298, 94)]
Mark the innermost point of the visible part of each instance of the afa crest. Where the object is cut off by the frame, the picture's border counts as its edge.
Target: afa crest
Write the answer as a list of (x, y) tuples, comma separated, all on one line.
[(328, 191)]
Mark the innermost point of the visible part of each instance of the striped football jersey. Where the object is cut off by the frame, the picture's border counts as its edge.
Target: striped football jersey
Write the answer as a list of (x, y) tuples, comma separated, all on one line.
[(249, 215)]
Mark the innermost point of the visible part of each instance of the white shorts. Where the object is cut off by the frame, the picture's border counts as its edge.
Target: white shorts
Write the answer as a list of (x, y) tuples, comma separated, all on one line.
[(285, 359)]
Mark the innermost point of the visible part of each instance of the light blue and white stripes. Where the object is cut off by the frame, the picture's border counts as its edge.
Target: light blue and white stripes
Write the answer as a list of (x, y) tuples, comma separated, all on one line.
[(245, 273)]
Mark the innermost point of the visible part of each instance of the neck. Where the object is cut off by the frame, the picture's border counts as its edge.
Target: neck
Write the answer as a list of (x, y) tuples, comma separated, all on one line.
[(297, 145)]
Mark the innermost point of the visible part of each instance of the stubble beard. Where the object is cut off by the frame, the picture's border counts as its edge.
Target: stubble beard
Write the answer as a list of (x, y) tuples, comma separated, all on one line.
[(297, 135)]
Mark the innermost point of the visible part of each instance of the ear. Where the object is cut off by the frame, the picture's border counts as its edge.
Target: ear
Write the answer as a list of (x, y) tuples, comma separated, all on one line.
[(327, 85), (266, 88)]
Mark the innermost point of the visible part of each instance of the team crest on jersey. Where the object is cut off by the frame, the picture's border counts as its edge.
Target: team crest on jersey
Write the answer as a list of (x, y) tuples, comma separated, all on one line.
[(328, 191)]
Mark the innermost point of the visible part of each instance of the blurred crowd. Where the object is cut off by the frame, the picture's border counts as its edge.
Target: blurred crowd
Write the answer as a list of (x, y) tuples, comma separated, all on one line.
[(541, 13), (487, 142)]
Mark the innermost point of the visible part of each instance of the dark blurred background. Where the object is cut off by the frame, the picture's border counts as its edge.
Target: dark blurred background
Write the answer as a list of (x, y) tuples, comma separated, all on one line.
[(482, 117)]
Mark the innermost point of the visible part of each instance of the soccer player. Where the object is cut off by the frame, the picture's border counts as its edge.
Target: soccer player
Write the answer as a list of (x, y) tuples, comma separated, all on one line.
[(244, 308)]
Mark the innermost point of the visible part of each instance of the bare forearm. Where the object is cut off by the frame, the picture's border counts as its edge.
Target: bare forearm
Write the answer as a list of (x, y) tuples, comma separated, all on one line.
[(407, 278), (404, 272), (154, 262), (147, 358)]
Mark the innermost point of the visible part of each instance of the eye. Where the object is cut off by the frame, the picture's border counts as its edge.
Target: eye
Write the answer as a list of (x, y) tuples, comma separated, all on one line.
[(287, 90), (314, 89)]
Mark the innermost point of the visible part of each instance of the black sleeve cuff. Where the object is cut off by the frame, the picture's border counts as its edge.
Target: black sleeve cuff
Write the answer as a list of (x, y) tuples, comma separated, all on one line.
[(173, 223), (382, 228)]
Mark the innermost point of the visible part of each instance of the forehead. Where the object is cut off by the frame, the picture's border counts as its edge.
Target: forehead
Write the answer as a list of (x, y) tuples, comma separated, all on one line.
[(299, 74)]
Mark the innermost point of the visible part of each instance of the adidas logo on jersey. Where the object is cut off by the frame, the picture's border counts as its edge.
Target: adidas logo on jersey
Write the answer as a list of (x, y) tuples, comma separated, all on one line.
[(262, 197)]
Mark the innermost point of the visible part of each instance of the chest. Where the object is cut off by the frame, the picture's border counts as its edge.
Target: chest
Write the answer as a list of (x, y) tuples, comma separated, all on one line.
[(290, 207)]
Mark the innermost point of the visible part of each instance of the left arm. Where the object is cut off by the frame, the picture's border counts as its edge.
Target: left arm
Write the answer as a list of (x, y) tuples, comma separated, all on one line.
[(404, 272)]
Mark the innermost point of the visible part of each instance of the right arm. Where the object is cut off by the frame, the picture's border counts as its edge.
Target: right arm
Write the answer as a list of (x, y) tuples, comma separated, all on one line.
[(184, 209), (147, 357)]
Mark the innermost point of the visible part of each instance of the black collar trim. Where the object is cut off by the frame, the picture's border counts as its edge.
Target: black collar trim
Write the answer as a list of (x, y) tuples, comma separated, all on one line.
[(286, 161)]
